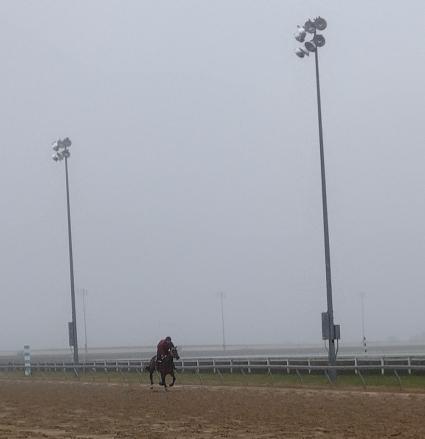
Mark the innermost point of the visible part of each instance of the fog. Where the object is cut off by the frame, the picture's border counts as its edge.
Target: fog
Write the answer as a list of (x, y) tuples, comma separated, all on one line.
[(195, 169)]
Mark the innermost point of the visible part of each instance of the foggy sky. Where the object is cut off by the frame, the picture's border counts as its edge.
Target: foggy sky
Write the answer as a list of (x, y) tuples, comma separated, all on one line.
[(195, 169)]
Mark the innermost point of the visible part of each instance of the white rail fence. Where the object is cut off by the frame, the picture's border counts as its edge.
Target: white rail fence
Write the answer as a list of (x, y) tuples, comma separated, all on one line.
[(315, 365)]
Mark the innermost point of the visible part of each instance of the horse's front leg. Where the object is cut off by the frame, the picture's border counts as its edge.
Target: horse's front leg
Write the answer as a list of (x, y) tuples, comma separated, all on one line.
[(150, 376), (174, 379), (163, 382)]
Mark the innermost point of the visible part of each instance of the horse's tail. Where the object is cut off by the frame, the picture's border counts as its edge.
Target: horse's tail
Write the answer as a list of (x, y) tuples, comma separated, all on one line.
[(151, 366)]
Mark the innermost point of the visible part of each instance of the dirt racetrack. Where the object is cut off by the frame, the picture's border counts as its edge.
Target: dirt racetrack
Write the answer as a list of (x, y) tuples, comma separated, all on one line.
[(94, 411)]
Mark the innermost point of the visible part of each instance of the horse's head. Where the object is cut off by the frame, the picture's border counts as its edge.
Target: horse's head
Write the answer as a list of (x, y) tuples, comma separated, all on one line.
[(174, 353)]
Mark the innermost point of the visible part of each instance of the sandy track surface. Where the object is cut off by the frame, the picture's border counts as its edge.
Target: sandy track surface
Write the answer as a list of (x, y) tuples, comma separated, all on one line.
[(101, 411)]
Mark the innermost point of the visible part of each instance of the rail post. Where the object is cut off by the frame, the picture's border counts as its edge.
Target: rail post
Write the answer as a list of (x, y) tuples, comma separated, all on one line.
[(398, 377)]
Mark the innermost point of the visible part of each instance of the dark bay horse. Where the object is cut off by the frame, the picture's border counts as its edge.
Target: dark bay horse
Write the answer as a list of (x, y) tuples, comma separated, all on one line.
[(165, 367)]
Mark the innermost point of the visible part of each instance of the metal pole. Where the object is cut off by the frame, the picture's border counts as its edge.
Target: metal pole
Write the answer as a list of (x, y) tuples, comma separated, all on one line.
[(222, 319), (363, 325), (332, 351), (85, 321), (71, 267)]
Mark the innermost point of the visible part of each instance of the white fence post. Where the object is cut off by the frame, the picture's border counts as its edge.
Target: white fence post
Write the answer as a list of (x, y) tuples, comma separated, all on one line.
[(27, 360)]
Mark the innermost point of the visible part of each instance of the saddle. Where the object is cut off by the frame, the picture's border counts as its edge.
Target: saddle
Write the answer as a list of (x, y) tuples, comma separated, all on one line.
[(160, 360)]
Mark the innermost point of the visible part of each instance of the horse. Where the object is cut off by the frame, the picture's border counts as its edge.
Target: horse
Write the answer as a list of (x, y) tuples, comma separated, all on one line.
[(164, 367)]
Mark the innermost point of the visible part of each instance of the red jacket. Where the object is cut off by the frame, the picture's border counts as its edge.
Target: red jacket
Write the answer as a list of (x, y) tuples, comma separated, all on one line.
[(164, 347)]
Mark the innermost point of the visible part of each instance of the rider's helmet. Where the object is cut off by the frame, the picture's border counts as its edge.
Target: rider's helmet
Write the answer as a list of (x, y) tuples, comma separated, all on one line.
[(168, 338)]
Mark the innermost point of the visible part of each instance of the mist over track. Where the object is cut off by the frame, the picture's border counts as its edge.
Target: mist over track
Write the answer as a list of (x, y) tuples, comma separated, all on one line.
[(211, 351)]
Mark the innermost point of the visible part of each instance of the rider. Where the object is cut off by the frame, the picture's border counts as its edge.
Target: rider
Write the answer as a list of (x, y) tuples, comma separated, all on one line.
[(163, 349)]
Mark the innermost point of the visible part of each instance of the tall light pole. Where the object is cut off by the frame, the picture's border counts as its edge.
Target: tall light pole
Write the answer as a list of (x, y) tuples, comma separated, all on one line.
[(222, 296), (330, 331), (84, 293), (364, 342), (61, 148)]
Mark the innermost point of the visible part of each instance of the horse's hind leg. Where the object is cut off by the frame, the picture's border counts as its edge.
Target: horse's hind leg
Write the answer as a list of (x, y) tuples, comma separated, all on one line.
[(150, 376), (174, 379)]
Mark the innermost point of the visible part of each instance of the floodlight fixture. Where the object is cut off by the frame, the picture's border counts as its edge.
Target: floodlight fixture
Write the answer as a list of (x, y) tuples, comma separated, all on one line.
[(310, 46), (300, 52), (319, 40), (320, 23), (310, 27), (300, 34), (61, 149), (66, 142)]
